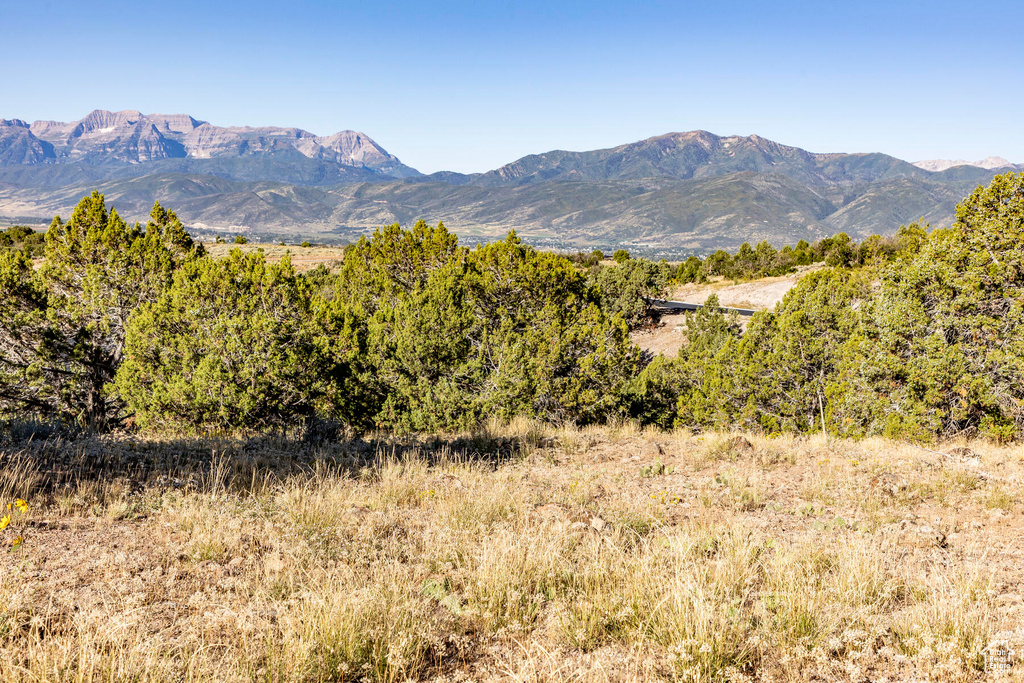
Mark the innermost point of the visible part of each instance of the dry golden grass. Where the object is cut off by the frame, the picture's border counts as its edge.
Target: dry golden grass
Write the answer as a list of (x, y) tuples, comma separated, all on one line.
[(303, 258), (517, 553)]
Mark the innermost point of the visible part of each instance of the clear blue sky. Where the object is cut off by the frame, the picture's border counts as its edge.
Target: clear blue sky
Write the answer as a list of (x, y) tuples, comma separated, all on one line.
[(468, 86)]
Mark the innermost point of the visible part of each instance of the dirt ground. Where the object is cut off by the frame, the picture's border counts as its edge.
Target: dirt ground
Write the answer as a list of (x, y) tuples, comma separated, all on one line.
[(759, 294), (664, 337), (859, 561), (667, 335)]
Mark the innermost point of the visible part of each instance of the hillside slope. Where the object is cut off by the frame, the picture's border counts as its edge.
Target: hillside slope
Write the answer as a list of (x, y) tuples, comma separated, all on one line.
[(657, 216), (669, 194), (698, 154)]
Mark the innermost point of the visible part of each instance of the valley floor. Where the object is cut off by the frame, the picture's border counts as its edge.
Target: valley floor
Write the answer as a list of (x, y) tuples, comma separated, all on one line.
[(520, 553)]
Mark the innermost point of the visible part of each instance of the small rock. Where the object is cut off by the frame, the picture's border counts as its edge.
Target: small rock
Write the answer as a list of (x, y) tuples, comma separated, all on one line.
[(359, 512), (274, 562), (888, 483), (650, 450), (598, 524), (965, 454), (1009, 599), (929, 536)]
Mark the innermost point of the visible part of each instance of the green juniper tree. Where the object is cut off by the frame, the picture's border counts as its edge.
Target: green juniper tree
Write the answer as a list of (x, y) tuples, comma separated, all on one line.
[(711, 337), (691, 271), (64, 339), (240, 344), (502, 330), (781, 374), (624, 289), (940, 351), (26, 383), (569, 359)]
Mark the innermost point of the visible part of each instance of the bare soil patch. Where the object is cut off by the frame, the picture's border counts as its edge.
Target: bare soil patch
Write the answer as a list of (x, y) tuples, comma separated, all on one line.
[(757, 294)]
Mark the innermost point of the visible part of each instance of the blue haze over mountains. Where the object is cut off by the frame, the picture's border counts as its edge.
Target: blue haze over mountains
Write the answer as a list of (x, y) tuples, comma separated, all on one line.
[(670, 194)]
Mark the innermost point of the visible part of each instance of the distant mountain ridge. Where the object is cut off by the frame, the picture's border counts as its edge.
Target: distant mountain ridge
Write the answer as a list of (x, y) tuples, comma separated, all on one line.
[(130, 137), (670, 194), (694, 154), (989, 163)]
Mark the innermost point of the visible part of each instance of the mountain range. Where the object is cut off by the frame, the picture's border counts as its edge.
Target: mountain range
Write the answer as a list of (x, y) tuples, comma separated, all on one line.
[(671, 194), (987, 163)]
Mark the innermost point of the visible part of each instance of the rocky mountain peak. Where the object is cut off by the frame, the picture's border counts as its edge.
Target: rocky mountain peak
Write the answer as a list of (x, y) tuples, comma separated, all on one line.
[(129, 136), (101, 118), (175, 123)]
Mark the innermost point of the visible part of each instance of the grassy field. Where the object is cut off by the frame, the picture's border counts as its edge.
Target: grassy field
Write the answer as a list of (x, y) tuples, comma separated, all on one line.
[(516, 553)]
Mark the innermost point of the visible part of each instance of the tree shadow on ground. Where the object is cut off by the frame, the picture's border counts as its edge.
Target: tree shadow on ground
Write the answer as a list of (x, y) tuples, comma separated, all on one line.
[(44, 459)]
